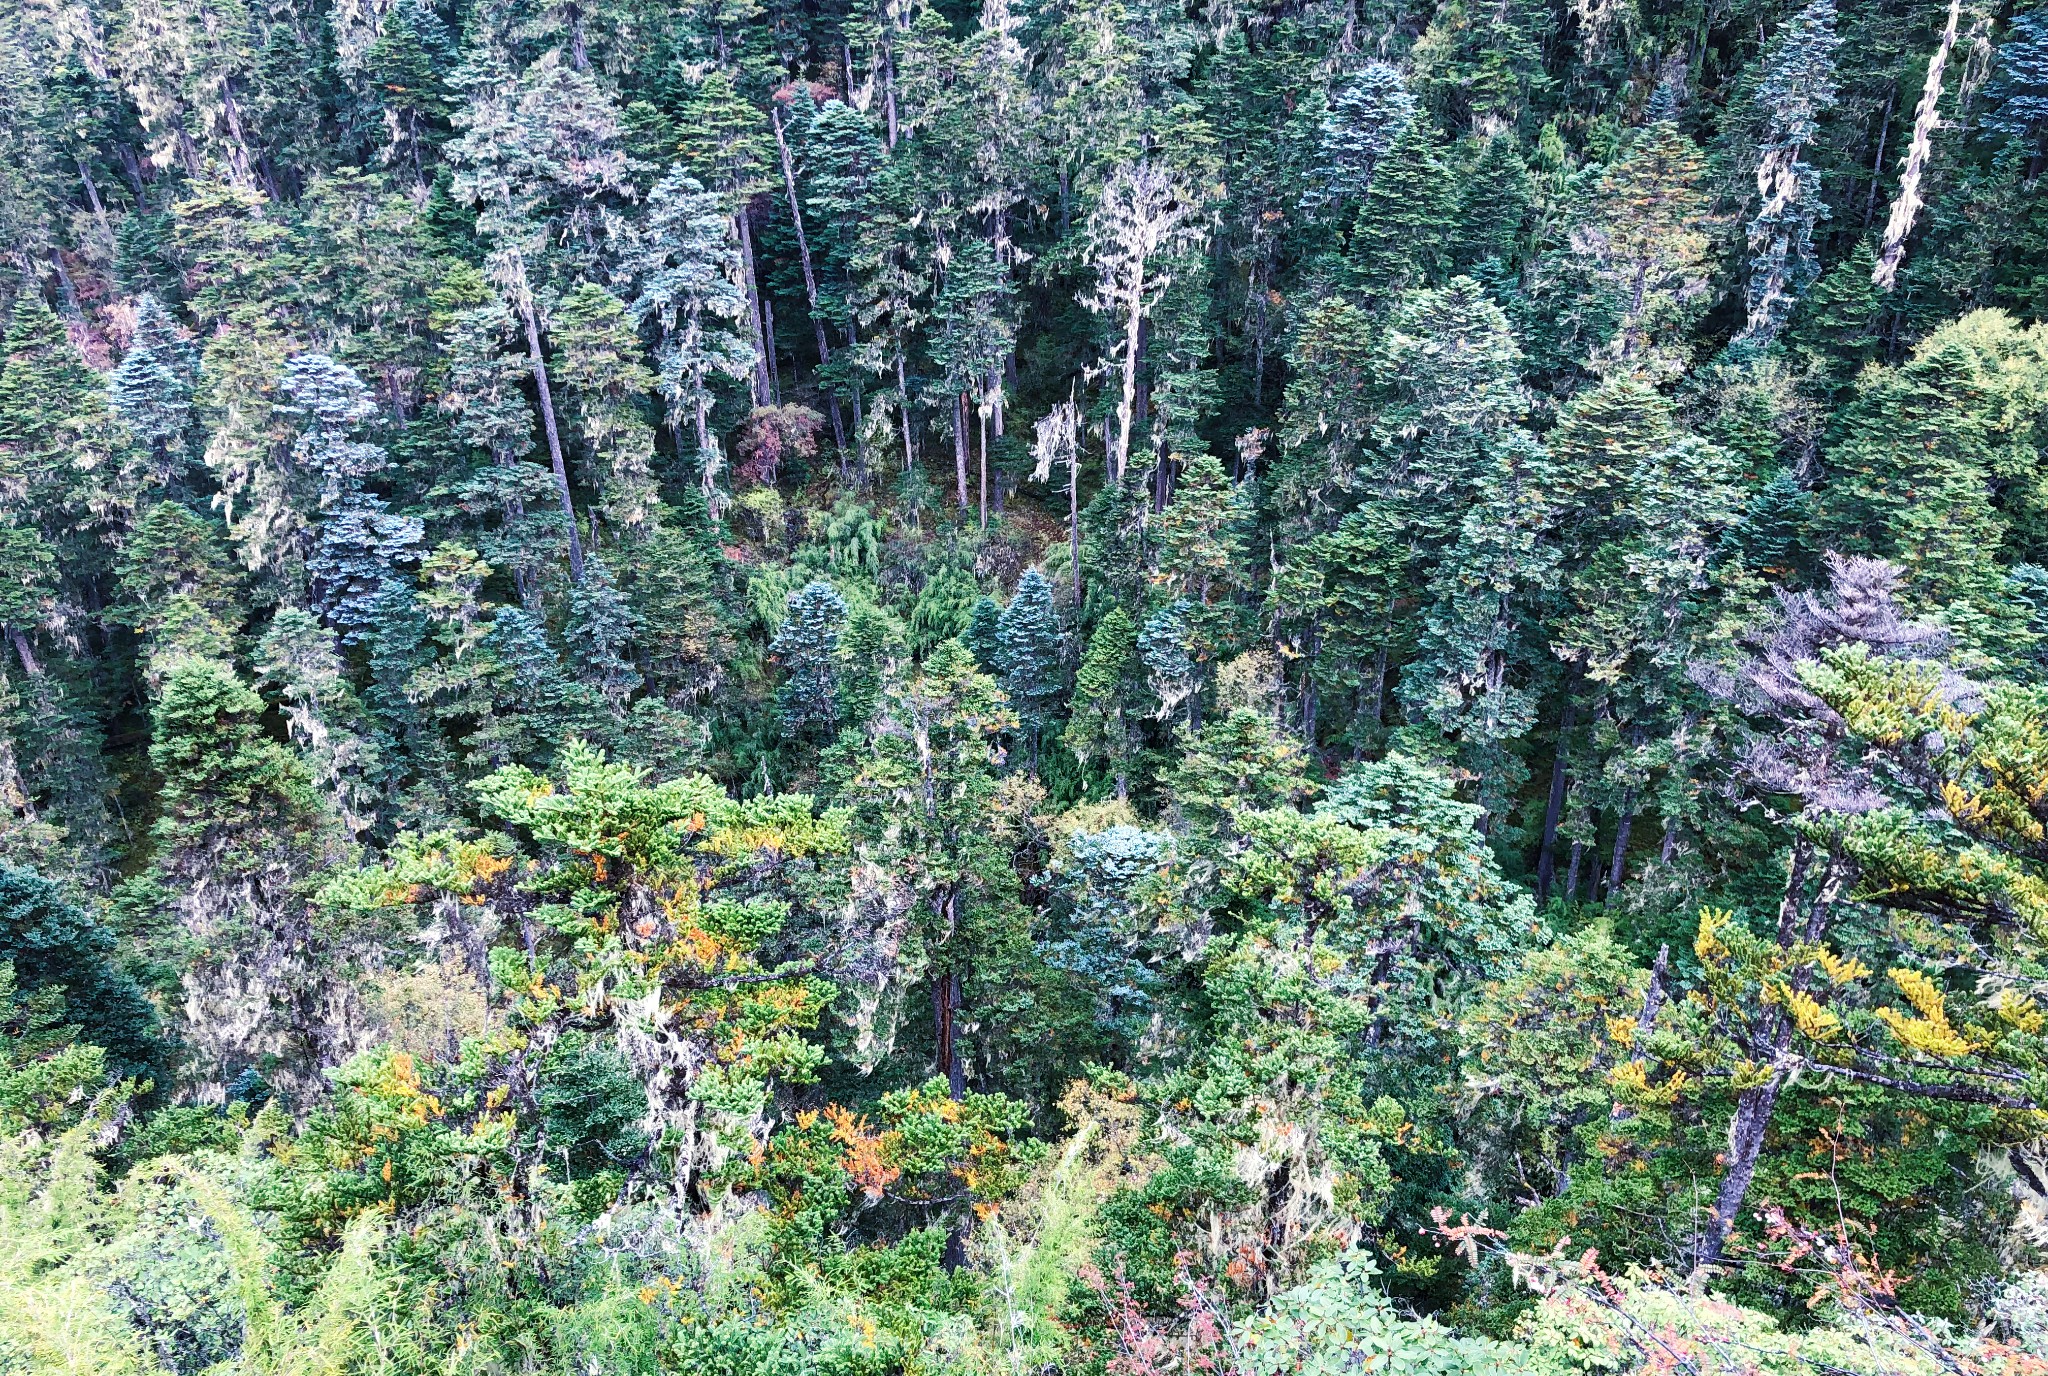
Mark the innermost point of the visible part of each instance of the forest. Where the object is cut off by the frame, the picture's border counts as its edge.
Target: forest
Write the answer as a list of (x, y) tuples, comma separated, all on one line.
[(1024, 687)]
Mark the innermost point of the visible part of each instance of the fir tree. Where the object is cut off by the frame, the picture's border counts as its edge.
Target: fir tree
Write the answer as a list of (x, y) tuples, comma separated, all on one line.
[(50, 943), (1029, 653), (151, 391), (1400, 238), (360, 542), (1798, 86), (981, 633), (603, 626), (807, 648), (1097, 725), (1361, 123)]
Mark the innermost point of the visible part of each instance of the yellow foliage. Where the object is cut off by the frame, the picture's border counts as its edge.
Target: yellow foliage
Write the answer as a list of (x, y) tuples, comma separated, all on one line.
[(1843, 969), (1936, 1039), (1814, 1020), (1708, 945)]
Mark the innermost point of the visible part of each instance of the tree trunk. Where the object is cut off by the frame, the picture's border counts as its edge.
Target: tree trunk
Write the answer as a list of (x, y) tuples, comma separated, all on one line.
[(983, 417), (960, 448), (554, 434), (30, 665), (903, 410), (1884, 129), (1074, 523), (1553, 808), (1752, 1121), (1906, 205), (740, 219), (768, 334), (803, 252), (1134, 326), (1573, 866), (1622, 826)]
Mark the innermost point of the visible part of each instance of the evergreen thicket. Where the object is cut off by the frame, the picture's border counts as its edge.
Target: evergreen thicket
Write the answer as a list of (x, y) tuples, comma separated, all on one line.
[(1090, 687)]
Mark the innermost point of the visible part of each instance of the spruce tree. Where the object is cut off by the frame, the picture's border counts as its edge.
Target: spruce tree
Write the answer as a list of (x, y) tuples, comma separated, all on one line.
[(1364, 118)]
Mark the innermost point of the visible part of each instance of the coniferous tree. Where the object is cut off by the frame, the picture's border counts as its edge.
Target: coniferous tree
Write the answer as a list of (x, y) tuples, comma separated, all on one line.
[(360, 543), (1098, 724), (1029, 652), (1797, 88), (807, 648), (1365, 117), (151, 391)]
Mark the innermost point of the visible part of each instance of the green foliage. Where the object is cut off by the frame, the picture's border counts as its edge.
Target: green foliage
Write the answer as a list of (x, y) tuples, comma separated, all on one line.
[(544, 713)]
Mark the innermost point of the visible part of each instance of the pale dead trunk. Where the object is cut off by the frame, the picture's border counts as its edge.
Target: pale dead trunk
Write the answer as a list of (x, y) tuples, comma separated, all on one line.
[(1906, 206)]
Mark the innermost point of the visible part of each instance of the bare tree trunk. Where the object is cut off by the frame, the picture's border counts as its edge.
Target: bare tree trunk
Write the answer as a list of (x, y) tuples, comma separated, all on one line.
[(1752, 1121), (768, 335), (554, 434), (1884, 129), (960, 447), (1134, 326), (740, 219), (92, 198), (889, 91), (982, 416), (1906, 206), (803, 250), (30, 665)]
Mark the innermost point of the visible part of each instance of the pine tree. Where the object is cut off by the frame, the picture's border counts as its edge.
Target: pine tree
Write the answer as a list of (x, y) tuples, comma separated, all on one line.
[(807, 648)]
